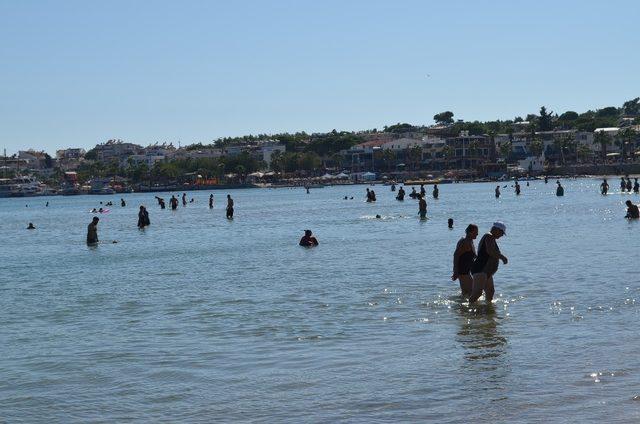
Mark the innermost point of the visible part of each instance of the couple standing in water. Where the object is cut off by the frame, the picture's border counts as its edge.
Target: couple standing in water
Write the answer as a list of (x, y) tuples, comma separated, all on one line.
[(475, 271)]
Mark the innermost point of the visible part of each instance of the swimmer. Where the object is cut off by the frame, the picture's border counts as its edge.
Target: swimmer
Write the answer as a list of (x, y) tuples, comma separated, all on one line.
[(308, 240), (173, 202), (30, 226), (400, 195), (559, 189), (450, 223), (463, 258), (184, 199), (497, 192), (636, 186), (436, 191), (517, 188), (378, 217), (122, 203), (211, 201), (47, 205)]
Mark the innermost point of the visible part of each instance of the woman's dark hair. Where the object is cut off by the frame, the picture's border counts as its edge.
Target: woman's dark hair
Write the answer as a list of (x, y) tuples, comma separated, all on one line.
[(470, 228)]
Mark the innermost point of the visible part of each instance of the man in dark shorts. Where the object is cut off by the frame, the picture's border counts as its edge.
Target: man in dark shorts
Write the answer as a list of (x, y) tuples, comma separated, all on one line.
[(92, 231), (463, 258), (486, 263), (308, 240)]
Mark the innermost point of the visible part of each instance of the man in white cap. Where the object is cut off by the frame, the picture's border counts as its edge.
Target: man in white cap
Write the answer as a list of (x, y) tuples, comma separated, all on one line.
[(486, 263)]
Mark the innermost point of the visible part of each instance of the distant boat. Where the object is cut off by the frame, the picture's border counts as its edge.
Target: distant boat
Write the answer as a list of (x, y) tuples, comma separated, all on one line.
[(27, 187)]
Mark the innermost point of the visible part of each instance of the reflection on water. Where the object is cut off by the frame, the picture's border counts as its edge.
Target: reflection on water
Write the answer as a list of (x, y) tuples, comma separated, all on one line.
[(485, 355)]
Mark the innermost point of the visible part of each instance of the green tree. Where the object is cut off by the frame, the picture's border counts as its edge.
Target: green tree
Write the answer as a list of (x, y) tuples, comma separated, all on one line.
[(632, 107), (536, 147), (389, 159), (443, 118), (625, 139), (603, 139), (545, 121), (505, 150), (583, 152), (448, 153), (415, 156)]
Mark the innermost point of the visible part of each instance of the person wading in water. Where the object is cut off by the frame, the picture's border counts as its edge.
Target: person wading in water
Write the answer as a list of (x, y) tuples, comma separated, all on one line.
[(486, 263), (463, 258)]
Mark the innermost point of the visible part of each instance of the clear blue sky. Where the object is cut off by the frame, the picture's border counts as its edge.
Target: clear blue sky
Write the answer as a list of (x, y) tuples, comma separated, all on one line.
[(76, 73)]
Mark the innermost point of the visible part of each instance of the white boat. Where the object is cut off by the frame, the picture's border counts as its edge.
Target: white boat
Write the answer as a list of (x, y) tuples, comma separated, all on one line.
[(26, 187)]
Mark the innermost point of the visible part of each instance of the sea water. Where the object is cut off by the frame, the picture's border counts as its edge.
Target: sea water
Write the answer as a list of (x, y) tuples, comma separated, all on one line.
[(202, 319)]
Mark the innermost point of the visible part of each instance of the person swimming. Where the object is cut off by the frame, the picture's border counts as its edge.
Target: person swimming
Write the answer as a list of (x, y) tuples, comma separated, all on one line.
[(184, 199), (623, 184), (497, 192), (211, 201), (517, 188), (423, 192), (450, 223), (636, 186), (308, 240), (31, 226), (436, 191), (173, 202), (400, 195), (414, 194), (629, 185), (122, 203), (559, 189)]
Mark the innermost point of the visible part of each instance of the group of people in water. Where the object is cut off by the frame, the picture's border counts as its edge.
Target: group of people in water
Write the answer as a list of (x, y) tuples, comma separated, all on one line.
[(143, 214), (625, 185)]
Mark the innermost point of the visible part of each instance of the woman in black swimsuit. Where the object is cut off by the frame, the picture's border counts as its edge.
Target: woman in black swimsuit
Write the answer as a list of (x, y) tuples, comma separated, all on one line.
[(463, 258)]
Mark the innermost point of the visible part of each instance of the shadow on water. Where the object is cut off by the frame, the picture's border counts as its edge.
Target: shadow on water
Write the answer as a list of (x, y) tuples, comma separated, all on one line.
[(486, 364)]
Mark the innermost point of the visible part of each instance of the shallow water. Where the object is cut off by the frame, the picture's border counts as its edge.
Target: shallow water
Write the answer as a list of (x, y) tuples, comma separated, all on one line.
[(201, 319)]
